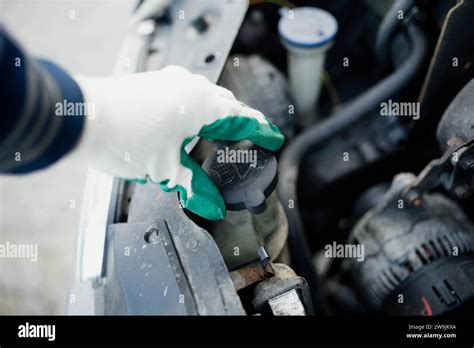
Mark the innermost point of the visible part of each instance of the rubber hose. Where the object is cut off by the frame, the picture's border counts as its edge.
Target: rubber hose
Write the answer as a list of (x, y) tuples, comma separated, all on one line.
[(342, 120), (386, 32)]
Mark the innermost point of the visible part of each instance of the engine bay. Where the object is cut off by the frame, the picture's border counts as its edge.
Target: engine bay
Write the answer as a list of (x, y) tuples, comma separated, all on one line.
[(366, 209)]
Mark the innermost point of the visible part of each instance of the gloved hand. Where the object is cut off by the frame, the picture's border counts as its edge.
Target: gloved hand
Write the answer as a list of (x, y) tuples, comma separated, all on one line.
[(142, 123)]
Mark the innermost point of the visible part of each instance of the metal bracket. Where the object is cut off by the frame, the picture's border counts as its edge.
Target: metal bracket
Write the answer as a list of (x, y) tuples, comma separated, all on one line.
[(454, 171)]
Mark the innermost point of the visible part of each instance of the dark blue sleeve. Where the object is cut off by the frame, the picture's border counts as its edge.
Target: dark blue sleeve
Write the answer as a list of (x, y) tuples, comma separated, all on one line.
[(33, 134)]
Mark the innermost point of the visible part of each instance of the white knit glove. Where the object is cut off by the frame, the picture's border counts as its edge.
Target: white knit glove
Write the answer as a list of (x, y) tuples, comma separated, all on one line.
[(140, 124)]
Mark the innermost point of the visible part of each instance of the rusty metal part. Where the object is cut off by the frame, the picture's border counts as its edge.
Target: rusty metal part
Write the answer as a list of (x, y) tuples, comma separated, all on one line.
[(250, 274), (255, 272)]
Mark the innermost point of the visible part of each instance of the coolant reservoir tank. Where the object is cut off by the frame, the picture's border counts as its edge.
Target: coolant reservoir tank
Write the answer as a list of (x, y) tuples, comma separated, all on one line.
[(246, 176), (307, 33)]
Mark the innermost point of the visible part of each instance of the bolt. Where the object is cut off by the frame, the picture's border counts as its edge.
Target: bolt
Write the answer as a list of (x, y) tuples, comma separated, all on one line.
[(192, 244), (462, 191), (413, 197), (153, 236)]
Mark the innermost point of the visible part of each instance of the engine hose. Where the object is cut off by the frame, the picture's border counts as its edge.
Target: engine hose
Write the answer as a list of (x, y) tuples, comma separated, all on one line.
[(386, 32), (340, 121)]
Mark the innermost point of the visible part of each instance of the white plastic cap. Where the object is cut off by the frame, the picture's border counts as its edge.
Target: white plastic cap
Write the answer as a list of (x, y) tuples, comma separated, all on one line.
[(307, 27)]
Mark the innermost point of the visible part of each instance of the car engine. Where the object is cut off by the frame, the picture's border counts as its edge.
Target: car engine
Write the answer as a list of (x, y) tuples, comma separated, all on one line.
[(366, 209)]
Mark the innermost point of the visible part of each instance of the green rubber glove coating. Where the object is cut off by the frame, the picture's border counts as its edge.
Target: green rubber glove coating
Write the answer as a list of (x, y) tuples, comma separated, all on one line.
[(206, 200)]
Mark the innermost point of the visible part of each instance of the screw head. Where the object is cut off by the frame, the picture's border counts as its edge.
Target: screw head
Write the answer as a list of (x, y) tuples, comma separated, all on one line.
[(193, 244), (153, 236)]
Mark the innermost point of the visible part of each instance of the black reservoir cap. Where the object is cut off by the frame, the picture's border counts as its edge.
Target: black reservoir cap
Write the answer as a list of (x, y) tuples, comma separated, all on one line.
[(244, 174)]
